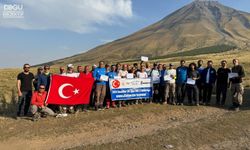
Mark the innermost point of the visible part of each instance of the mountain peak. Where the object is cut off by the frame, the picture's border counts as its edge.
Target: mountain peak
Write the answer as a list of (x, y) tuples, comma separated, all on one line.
[(202, 23)]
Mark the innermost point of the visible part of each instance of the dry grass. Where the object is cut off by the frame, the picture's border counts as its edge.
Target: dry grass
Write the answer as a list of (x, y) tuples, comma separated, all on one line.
[(8, 76)]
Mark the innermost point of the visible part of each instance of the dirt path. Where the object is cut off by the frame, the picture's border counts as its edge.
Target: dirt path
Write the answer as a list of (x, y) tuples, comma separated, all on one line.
[(95, 128)]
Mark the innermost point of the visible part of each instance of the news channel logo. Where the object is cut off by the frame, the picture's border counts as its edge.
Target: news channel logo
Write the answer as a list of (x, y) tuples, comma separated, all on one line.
[(13, 11)]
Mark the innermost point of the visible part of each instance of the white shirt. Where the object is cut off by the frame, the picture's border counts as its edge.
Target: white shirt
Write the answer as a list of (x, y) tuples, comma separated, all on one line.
[(148, 70), (155, 75), (208, 76), (123, 73), (71, 74), (142, 75), (173, 73)]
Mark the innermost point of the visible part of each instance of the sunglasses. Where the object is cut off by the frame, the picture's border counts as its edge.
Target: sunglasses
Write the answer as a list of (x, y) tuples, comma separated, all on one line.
[(42, 88), (27, 67)]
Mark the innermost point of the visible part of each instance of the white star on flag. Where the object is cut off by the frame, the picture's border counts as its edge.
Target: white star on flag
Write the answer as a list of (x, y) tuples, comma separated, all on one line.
[(76, 91)]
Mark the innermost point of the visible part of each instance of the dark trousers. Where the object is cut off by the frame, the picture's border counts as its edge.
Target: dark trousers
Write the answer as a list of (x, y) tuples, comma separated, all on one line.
[(221, 89), (156, 96), (162, 93), (192, 92), (180, 92), (24, 103), (207, 93), (200, 89)]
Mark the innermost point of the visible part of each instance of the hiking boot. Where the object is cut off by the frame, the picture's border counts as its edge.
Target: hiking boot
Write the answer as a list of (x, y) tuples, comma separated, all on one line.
[(36, 117)]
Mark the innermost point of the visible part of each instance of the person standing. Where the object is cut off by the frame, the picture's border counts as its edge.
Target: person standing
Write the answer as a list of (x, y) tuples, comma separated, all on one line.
[(237, 88), (142, 74), (222, 83), (155, 75), (100, 88), (171, 84), (79, 69), (163, 85), (70, 73), (44, 78), (112, 74), (192, 89), (148, 68), (208, 79), (181, 78), (61, 70), (24, 87), (123, 74), (199, 84), (88, 74), (39, 72)]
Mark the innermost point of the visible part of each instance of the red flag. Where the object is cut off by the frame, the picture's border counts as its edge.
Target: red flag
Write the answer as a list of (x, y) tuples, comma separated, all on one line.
[(69, 90)]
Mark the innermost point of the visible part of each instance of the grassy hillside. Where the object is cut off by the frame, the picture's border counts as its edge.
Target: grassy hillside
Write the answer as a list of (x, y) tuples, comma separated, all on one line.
[(195, 26)]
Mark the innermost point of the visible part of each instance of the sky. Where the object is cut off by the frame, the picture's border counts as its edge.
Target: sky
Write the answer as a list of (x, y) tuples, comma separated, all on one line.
[(47, 30)]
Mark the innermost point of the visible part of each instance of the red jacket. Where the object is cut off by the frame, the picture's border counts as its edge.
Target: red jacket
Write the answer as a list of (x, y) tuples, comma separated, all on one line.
[(38, 99), (89, 75)]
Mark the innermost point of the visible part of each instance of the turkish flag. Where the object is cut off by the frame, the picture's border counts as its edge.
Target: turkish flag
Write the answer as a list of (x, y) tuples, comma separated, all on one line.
[(69, 90)]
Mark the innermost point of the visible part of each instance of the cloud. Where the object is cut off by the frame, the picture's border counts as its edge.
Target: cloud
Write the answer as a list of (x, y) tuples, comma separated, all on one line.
[(81, 16)]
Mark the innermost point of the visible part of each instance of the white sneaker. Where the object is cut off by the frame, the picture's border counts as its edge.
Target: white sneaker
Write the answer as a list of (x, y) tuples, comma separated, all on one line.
[(64, 115), (61, 115)]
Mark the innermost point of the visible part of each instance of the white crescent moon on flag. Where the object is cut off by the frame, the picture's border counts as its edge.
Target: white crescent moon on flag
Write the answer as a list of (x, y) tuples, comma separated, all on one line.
[(60, 90)]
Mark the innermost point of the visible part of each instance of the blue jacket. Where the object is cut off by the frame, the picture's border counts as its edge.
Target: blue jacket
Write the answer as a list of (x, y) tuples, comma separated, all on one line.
[(181, 74), (212, 75), (111, 74), (200, 70), (97, 74), (43, 79), (162, 74)]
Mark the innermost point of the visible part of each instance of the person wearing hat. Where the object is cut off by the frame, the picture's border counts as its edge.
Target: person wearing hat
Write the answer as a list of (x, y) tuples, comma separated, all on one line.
[(70, 73), (170, 89)]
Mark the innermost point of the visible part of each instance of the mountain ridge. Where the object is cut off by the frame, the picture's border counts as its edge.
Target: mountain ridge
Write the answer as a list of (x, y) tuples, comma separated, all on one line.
[(196, 25)]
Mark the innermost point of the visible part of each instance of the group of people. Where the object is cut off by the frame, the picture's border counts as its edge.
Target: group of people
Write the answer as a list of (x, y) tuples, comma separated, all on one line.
[(170, 85)]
